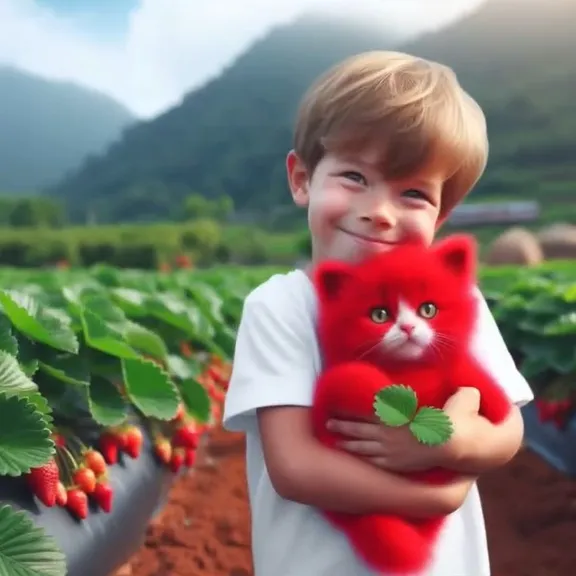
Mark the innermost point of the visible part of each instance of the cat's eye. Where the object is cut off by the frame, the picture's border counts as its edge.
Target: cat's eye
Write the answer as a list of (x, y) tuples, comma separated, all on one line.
[(379, 315), (428, 310)]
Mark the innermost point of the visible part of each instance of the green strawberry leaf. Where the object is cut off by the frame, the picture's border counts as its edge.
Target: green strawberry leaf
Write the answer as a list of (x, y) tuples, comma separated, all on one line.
[(12, 379), (183, 368), (70, 368), (25, 548), (395, 405), (195, 399), (8, 342), (106, 403), (47, 325), (105, 336), (150, 388), (431, 426), (24, 437), (144, 340)]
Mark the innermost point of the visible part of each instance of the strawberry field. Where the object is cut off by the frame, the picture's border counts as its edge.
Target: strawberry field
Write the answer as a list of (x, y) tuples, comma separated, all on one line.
[(111, 381)]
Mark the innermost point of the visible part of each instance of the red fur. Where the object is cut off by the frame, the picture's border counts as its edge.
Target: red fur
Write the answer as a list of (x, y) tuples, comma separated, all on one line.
[(355, 370)]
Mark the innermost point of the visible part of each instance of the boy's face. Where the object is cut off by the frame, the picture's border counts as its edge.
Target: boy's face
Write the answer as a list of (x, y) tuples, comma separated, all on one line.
[(353, 211)]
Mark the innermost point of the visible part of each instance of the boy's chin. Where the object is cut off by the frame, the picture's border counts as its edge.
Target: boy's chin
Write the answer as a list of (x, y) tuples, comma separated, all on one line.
[(355, 252)]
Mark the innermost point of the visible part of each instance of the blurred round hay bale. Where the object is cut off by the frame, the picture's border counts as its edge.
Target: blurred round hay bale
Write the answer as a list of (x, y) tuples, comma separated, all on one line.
[(516, 246), (558, 241)]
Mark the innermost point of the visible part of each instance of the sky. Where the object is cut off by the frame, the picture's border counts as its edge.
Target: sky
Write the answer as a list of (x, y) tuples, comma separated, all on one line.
[(148, 53)]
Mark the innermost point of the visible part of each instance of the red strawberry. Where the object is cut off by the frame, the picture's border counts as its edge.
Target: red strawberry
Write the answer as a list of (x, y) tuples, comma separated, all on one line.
[(163, 450), (85, 479), (61, 495), (177, 460), (189, 458), (186, 436), (216, 394), (43, 482), (216, 413), (103, 494), (109, 447), (58, 439), (121, 439), (134, 440), (77, 502), (95, 461)]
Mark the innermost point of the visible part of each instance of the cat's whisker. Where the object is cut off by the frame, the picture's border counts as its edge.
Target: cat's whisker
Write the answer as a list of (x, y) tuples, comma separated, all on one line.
[(371, 348)]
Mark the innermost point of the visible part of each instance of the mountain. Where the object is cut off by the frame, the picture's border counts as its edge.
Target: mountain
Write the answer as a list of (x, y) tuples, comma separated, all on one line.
[(231, 136), (228, 137), (48, 128)]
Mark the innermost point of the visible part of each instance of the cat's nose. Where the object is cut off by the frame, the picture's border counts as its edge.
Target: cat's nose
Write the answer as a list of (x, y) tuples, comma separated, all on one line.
[(407, 328)]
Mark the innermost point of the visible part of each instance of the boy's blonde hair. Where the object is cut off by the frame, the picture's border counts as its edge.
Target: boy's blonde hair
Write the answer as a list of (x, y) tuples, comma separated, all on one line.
[(412, 109)]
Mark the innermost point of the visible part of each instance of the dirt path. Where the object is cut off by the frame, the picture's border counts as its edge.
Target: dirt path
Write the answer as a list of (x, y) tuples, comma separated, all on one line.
[(530, 513)]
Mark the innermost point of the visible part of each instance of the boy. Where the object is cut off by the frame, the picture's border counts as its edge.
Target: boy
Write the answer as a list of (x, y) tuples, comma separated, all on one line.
[(385, 146)]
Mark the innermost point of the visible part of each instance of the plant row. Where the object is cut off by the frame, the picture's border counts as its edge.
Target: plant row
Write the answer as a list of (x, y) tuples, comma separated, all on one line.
[(535, 309), (96, 367), (146, 246)]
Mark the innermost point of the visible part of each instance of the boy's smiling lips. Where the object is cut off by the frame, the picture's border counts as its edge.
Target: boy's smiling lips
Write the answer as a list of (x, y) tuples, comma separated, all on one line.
[(366, 238)]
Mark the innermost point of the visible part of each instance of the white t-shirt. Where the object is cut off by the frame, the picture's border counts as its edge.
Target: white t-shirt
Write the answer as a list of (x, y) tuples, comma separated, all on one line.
[(276, 363)]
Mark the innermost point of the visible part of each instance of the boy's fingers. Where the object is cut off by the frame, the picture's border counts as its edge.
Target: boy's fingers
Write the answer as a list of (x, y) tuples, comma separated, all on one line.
[(363, 447), (360, 430), (466, 398)]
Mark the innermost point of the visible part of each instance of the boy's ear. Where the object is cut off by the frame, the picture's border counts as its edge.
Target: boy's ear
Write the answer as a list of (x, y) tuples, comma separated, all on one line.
[(458, 253), (298, 178), (330, 278)]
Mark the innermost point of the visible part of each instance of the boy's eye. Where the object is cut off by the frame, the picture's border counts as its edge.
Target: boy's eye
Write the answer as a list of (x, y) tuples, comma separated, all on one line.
[(354, 176), (414, 193)]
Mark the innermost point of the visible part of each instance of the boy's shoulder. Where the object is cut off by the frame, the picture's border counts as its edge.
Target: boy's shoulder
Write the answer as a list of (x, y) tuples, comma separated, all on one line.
[(290, 288)]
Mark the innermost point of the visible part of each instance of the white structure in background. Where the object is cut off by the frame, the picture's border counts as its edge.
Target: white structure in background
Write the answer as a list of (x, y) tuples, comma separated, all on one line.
[(494, 213)]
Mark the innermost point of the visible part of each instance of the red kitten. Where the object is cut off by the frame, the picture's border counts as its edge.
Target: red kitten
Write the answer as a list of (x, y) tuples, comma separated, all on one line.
[(402, 317)]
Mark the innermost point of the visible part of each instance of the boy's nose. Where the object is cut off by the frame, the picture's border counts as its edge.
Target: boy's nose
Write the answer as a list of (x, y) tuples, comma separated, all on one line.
[(380, 215)]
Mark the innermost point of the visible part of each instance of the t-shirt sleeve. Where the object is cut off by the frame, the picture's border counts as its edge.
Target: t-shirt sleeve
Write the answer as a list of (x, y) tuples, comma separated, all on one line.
[(273, 362), (489, 348)]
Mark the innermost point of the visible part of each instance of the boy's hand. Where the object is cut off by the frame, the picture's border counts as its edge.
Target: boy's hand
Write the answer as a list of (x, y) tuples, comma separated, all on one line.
[(396, 449)]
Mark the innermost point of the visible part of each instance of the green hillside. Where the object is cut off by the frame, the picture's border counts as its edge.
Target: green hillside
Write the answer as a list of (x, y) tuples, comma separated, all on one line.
[(231, 136), (47, 128)]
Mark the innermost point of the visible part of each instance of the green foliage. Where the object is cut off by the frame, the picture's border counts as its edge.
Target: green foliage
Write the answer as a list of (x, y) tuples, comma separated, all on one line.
[(535, 312), (25, 549), (398, 406), (31, 212), (197, 207), (86, 350), (147, 247)]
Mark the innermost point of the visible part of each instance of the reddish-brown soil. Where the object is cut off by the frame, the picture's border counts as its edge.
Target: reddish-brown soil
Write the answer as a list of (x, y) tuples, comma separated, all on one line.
[(205, 530)]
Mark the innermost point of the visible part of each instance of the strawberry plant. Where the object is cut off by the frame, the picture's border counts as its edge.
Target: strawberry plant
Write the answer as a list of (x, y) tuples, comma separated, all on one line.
[(535, 309), (91, 363)]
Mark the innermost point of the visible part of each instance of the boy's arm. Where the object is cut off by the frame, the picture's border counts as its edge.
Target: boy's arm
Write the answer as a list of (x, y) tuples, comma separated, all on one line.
[(483, 445), (303, 470), (271, 391)]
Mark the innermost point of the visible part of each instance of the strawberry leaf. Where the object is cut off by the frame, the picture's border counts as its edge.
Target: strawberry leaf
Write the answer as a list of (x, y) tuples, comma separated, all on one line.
[(196, 399), (38, 322), (24, 436), (150, 388), (25, 548), (431, 426), (395, 405), (106, 403)]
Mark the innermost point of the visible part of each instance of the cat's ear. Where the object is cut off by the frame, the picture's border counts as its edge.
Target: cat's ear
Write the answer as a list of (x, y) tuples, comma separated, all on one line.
[(458, 253), (330, 278)]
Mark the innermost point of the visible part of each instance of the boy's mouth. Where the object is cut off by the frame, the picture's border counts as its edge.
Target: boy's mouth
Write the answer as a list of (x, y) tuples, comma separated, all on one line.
[(366, 238)]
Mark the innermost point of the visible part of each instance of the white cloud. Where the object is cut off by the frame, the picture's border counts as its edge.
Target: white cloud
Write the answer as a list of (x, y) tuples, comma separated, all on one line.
[(172, 46)]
